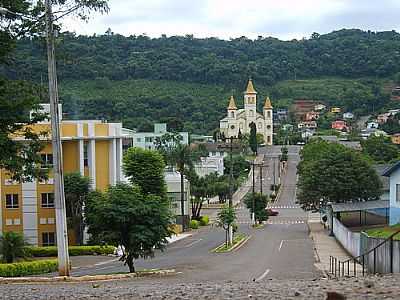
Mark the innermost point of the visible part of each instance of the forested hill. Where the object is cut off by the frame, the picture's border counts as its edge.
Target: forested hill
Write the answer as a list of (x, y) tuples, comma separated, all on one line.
[(140, 80), (344, 53)]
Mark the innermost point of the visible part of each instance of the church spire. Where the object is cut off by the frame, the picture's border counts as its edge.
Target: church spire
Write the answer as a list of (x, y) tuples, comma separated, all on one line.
[(267, 104), (232, 104), (250, 88)]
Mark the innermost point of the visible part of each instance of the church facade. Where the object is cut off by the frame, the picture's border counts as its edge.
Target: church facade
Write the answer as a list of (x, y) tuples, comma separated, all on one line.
[(239, 120)]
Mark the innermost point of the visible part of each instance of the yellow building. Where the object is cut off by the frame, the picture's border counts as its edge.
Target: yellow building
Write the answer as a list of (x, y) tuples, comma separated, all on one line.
[(396, 138), (92, 148), (336, 110)]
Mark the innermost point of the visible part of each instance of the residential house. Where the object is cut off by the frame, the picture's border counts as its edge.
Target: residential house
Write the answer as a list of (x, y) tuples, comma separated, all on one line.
[(395, 138), (372, 124), (366, 133), (307, 133), (380, 170), (320, 107), (90, 147), (340, 125), (394, 192), (301, 106), (282, 114), (395, 93), (336, 110), (348, 116), (383, 118), (307, 124), (147, 140), (311, 116)]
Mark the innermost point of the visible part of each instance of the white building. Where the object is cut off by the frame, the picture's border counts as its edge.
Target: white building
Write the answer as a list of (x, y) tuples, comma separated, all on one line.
[(394, 193), (239, 120), (348, 115), (146, 140)]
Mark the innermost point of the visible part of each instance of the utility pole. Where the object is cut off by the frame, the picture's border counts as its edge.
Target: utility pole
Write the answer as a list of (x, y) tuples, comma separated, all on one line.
[(59, 197), (261, 179), (253, 215)]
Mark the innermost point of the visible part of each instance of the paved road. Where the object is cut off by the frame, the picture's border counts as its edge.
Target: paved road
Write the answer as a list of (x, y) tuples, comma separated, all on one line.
[(282, 249)]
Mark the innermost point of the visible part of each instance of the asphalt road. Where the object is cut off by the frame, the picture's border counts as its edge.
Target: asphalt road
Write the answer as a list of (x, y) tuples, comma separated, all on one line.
[(280, 250)]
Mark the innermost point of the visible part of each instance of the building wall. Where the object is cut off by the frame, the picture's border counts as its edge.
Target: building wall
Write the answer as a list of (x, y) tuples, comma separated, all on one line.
[(394, 204), (30, 217)]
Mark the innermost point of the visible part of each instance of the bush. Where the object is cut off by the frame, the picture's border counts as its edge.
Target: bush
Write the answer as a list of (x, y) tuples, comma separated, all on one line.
[(194, 224), (12, 246), (73, 250), (28, 268), (204, 220)]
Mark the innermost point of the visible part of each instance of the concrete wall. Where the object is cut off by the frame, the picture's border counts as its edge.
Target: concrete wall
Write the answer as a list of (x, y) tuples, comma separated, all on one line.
[(382, 255), (348, 239)]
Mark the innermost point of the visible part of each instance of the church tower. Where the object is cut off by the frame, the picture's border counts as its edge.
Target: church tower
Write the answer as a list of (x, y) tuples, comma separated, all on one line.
[(250, 103), (232, 108), (268, 117)]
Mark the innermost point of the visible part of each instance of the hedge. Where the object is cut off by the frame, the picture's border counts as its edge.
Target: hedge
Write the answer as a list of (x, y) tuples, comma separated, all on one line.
[(204, 220), (28, 268), (194, 224), (73, 251)]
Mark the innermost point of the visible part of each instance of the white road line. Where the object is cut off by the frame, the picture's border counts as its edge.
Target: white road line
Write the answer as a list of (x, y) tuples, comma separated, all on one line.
[(106, 262), (263, 275), (280, 246), (192, 243)]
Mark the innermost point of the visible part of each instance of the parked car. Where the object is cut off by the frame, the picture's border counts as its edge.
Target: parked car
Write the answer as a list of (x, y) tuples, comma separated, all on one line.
[(272, 212)]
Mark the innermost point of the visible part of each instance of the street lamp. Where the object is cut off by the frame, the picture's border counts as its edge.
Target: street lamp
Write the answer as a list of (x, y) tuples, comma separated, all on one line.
[(59, 197)]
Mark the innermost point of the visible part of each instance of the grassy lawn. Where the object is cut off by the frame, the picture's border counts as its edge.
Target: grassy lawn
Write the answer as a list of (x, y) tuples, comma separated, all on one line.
[(384, 232), (239, 238)]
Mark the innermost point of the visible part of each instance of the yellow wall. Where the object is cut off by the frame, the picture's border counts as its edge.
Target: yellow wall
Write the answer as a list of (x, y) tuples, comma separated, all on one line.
[(11, 213), (102, 165), (85, 129), (44, 212), (71, 156), (101, 129), (69, 129)]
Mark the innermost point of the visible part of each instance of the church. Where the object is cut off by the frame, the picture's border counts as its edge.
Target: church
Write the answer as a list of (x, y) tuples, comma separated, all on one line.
[(239, 120)]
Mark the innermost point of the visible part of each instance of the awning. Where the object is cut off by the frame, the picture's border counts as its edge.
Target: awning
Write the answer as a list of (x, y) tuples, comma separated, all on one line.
[(360, 206)]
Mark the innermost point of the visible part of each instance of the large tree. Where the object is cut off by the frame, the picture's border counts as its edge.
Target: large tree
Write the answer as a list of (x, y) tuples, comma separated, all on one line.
[(125, 216), (253, 138), (257, 204), (330, 172), (380, 149), (145, 168), (76, 188)]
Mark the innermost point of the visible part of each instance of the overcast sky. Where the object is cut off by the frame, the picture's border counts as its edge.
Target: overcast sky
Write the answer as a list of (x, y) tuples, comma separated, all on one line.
[(284, 19)]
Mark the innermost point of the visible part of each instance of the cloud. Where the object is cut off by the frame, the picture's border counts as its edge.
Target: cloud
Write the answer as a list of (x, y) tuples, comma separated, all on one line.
[(285, 19)]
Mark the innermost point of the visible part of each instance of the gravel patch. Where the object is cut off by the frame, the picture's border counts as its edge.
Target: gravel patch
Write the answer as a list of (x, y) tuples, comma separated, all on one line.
[(374, 287)]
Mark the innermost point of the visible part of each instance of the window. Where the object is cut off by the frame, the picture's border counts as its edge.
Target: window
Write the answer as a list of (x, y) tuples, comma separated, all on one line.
[(47, 160), (268, 114), (397, 192), (259, 125), (12, 201), (232, 114), (232, 126), (268, 126), (48, 239), (251, 113), (241, 125), (47, 200), (139, 140), (85, 155), (268, 139), (148, 139)]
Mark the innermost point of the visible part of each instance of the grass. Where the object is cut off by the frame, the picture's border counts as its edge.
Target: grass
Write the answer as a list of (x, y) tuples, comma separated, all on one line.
[(384, 232), (258, 226), (238, 239)]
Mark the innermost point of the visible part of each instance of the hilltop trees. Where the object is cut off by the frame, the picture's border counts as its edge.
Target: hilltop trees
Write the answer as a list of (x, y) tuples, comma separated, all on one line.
[(330, 172)]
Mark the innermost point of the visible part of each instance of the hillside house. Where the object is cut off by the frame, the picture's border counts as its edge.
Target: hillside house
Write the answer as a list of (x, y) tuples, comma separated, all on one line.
[(320, 107), (307, 124), (311, 116), (394, 193), (340, 125), (395, 138), (336, 110), (348, 116)]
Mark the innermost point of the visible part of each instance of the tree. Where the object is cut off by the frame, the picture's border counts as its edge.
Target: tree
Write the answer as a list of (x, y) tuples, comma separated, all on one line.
[(226, 219), (145, 168), (260, 205), (12, 246), (284, 154), (76, 188), (241, 166), (253, 138), (260, 139), (125, 216), (330, 172), (380, 149)]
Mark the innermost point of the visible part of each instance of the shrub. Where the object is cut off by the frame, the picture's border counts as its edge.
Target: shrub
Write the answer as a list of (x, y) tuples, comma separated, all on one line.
[(194, 224), (73, 250), (12, 245), (28, 268), (204, 220)]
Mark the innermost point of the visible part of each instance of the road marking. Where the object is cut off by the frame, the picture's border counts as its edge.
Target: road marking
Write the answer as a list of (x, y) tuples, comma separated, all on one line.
[(262, 276), (106, 262), (280, 246), (192, 243)]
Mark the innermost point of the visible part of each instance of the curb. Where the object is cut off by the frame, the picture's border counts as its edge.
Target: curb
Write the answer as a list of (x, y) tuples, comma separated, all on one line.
[(86, 278), (234, 248)]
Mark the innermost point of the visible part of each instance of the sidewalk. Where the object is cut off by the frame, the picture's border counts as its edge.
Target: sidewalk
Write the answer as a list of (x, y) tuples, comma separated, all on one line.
[(324, 245)]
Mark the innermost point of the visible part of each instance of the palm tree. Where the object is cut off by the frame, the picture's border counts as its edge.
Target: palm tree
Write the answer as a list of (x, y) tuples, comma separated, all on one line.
[(12, 245)]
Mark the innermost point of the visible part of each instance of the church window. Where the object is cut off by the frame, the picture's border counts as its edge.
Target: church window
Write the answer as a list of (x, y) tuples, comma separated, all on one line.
[(259, 125), (251, 113), (232, 114), (232, 126), (268, 126), (268, 139), (269, 115), (241, 125)]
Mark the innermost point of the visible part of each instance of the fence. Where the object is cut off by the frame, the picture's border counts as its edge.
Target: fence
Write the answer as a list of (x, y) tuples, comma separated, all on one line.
[(349, 240), (386, 256)]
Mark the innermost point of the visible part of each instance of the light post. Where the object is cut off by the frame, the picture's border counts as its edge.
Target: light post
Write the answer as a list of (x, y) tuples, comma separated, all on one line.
[(59, 197), (329, 204)]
